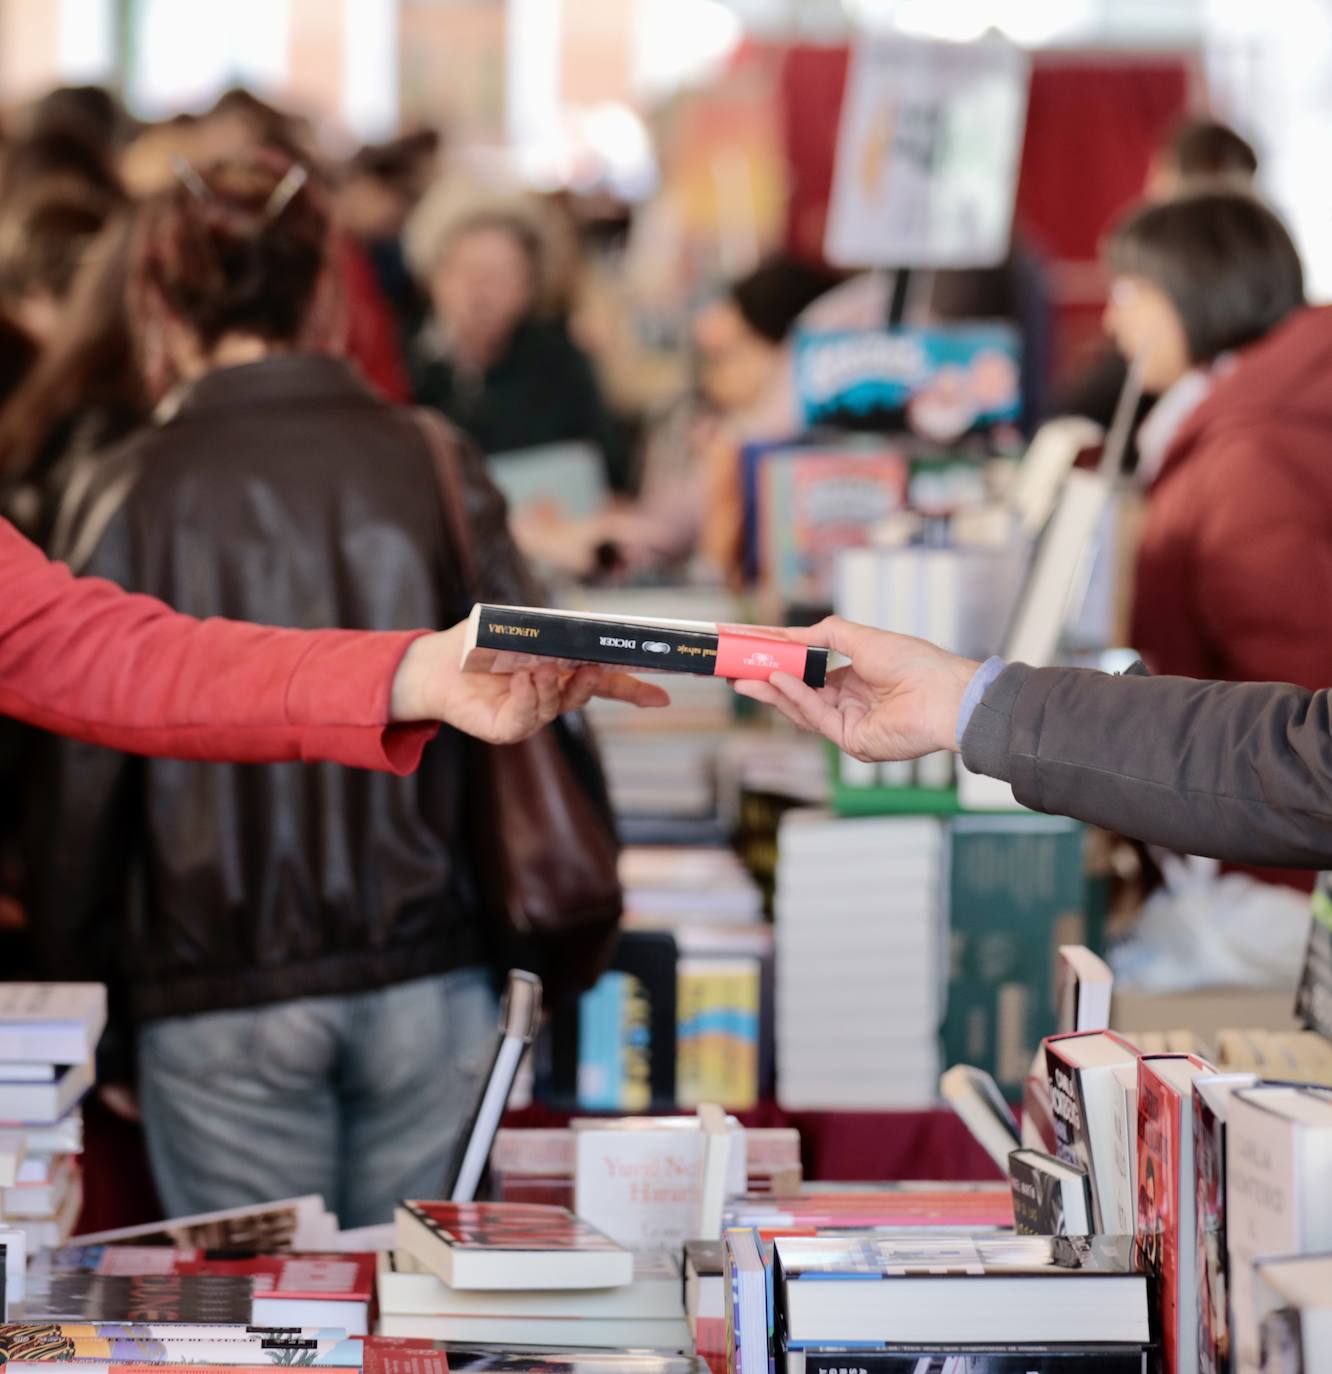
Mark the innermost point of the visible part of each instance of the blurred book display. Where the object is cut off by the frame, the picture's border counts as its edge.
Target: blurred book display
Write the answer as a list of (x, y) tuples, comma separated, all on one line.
[(48, 1038)]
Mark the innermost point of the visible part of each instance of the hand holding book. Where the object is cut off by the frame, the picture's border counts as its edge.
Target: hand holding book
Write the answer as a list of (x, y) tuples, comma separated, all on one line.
[(898, 699), (500, 708)]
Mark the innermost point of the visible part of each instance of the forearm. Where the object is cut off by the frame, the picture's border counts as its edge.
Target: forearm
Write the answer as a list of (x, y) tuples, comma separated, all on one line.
[(82, 657), (1238, 771)]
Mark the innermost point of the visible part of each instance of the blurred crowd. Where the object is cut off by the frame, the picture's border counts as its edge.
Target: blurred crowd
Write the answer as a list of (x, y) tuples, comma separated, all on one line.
[(210, 338)]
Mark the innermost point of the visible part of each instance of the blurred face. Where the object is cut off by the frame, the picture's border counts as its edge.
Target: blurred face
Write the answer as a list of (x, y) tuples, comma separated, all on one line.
[(1146, 329), (735, 363), (482, 290)]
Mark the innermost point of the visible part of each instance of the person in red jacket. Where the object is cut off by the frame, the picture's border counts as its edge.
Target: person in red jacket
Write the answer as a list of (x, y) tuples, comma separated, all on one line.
[(82, 657), (1234, 569)]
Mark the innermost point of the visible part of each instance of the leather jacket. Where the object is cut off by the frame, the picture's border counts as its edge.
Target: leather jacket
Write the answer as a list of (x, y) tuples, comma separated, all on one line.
[(285, 492)]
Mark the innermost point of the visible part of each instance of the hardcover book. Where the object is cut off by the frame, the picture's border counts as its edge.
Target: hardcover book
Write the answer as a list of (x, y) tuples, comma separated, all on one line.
[(509, 1245), (1166, 1227), (1093, 1128), (505, 639), (643, 1186), (1211, 1105), (1278, 1192), (934, 1289), (1050, 1197), (957, 1359)]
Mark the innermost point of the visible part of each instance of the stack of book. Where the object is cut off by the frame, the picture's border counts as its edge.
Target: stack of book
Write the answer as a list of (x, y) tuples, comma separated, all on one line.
[(48, 1038), (515, 1274), (538, 1165), (1223, 1179), (859, 961)]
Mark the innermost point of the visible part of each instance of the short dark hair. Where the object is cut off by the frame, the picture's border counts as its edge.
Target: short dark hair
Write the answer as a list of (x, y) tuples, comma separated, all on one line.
[(774, 295), (1201, 148), (1224, 259)]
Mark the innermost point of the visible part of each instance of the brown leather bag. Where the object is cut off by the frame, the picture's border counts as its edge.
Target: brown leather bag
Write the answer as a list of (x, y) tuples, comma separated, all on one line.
[(541, 830)]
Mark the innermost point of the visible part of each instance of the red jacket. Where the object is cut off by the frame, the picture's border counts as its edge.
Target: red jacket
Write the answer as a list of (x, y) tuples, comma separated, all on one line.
[(83, 658), (1234, 574)]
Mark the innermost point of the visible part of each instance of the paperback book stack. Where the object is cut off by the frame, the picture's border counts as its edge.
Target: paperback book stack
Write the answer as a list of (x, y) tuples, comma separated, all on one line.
[(193, 1293), (48, 1038), (859, 961), (527, 1275), (539, 1164)]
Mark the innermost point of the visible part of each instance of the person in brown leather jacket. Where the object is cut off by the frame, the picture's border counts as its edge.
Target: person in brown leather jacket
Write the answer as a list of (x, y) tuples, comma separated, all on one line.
[(301, 949)]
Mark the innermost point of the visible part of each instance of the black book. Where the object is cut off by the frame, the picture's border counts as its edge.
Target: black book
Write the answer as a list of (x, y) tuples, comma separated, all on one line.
[(1313, 1002), (504, 639), (974, 1359), (1050, 1197)]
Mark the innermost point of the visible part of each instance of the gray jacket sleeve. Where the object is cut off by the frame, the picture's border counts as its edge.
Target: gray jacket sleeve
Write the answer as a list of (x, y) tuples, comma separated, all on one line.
[(1236, 771)]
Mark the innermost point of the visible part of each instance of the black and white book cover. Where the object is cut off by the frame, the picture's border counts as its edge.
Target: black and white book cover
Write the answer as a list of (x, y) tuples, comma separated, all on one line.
[(1050, 1197), (1068, 1112)]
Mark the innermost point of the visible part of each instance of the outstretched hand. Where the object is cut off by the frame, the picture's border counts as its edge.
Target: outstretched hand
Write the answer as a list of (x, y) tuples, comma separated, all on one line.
[(899, 698), (501, 708)]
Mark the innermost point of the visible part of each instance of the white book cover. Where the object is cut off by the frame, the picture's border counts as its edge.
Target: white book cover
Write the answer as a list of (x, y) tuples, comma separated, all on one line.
[(644, 1188), (1278, 1195), (51, 1023)]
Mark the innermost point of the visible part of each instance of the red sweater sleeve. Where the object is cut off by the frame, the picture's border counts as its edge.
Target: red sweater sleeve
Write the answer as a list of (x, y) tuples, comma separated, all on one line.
[(84, 658)]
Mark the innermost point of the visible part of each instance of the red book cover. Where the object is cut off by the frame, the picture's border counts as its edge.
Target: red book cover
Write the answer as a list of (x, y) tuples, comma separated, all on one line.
[(331, 1277), (1158, 1193), (508, 1226), (1165, 1210)]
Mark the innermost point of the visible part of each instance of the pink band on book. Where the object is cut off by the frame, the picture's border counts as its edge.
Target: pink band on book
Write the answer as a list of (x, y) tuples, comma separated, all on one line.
[(748, 656)]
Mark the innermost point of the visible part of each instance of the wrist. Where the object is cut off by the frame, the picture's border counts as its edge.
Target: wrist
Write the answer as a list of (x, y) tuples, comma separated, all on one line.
[(949, 700), (414, 689)]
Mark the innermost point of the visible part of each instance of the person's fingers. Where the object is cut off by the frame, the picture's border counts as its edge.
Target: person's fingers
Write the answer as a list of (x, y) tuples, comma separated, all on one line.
[(546, 681), (770, 696), (821, 714), (842, 636), (580, 689), (626, 687), (517, 713)]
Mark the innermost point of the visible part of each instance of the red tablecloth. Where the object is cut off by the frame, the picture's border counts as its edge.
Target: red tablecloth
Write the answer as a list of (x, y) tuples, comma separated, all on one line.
[(835, 1146)]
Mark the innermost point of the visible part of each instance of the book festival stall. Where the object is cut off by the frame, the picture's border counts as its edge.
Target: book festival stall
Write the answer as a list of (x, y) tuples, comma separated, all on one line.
[(856, 1090)]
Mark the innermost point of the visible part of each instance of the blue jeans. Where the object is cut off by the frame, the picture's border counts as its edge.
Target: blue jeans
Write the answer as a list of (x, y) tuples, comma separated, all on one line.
[(357, 1097)]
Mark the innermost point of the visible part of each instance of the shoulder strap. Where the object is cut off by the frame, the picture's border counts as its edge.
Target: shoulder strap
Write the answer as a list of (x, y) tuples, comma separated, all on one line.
[(446, 460)]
